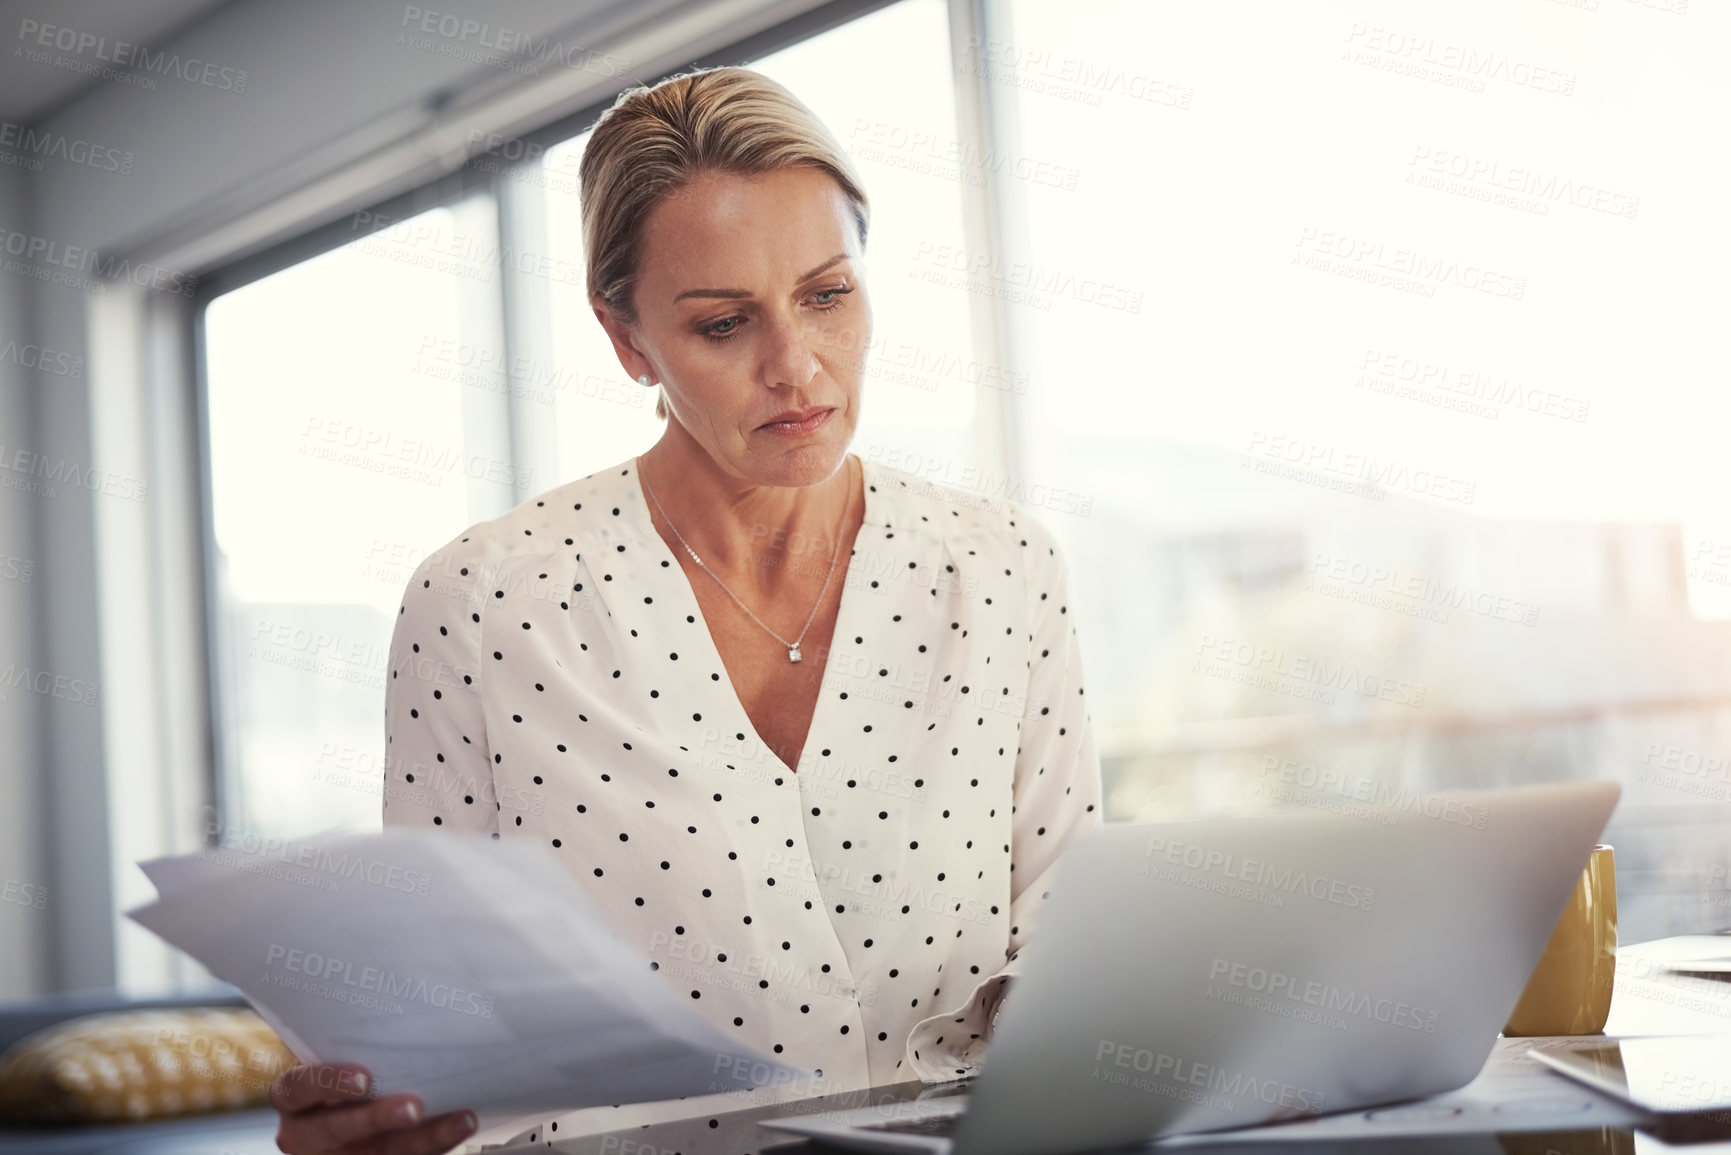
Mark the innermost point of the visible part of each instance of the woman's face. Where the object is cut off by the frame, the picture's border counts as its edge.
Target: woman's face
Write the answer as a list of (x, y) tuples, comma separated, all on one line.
[(752, 314)]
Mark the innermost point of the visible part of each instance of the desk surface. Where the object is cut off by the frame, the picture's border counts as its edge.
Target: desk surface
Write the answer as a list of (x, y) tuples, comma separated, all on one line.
[(1646, 1001)]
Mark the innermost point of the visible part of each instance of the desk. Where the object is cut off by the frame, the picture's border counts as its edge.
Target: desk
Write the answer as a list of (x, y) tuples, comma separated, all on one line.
[(1645, 1001)]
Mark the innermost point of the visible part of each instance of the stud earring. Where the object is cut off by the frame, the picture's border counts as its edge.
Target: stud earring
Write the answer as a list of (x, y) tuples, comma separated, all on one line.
[(644, 380)]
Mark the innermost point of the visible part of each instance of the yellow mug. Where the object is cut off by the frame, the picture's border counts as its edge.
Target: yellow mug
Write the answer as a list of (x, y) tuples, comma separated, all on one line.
[(1569, 992)]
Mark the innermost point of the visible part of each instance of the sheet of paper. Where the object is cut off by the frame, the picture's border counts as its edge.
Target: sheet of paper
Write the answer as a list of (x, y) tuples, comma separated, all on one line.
[(474, 973), (1660, 991), (1511, 1093)]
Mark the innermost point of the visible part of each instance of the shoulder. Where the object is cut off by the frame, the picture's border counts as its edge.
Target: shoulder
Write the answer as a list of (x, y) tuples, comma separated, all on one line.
[(972, 511), (562, 518)]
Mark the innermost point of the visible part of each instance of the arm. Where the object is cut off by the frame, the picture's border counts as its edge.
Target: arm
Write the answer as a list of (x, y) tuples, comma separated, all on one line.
[(1057, 795), (438, 770)]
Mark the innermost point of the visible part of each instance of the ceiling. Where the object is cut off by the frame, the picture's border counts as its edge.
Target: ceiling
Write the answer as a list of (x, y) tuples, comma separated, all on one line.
[(30, 90)]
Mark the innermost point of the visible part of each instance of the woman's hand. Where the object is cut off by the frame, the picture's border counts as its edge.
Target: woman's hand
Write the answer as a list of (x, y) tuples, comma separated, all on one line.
[(325, 1108)]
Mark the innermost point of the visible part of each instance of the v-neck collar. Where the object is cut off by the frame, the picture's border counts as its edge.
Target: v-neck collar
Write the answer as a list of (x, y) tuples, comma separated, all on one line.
[(639, 506)]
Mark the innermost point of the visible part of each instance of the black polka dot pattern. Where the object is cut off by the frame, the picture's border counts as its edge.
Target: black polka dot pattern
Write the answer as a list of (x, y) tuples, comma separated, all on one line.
[(552, 680)]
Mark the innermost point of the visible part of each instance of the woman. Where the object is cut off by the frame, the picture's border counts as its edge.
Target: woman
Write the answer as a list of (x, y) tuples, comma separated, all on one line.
[(810, 731)]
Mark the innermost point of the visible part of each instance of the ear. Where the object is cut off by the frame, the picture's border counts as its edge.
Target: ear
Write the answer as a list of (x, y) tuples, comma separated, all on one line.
[(631, 358)]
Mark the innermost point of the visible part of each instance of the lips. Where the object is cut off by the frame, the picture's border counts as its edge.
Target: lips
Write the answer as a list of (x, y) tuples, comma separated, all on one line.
[(798, 421)]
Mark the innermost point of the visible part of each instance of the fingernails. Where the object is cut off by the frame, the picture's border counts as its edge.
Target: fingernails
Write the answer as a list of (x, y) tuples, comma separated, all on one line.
[(407, 1113), (462, 1124), (360, 1082)]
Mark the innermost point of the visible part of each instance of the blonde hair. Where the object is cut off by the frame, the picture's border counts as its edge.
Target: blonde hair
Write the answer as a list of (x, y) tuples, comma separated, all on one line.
[(655, 140)]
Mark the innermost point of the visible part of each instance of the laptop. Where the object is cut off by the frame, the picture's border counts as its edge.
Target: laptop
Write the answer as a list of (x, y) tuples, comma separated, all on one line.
[(1226, 972)]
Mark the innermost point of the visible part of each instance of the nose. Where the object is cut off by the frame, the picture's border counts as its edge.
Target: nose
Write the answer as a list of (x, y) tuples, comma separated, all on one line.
[(788, 359)]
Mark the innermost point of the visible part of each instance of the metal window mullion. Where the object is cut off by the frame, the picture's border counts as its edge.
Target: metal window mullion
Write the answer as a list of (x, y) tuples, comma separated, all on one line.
[(187, 741), (483, 398), (993, 221), (527, 328)]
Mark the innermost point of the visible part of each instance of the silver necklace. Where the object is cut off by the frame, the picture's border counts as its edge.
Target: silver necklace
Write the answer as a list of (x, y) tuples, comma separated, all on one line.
[(793, 646)]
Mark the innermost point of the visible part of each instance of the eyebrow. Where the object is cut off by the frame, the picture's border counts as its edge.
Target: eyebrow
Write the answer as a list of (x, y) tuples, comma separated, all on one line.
[(736, 294)]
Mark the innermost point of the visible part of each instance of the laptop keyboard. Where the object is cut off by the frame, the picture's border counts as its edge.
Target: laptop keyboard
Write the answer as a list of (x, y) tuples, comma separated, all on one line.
[(923, 1125)]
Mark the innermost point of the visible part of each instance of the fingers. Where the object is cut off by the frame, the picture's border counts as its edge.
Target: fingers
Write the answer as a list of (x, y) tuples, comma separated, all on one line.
[(325, 1129), (434, 1137), (325, 1110), (314, 1085)]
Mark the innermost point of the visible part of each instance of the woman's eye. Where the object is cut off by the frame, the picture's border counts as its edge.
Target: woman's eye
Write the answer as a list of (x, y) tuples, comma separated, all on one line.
[(722, 328), (828, 298)]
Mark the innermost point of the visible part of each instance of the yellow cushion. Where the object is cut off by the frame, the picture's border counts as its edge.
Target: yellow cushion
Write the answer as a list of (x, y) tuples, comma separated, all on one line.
[(133, 1065)]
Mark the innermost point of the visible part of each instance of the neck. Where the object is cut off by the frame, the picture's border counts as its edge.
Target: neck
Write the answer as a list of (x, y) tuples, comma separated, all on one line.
[(745, 527)]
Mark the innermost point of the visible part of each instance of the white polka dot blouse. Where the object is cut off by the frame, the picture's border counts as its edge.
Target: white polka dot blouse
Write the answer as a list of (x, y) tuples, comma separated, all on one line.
[(552, 679)]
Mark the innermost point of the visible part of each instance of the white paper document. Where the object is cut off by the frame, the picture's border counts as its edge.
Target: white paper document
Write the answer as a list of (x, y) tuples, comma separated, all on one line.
[(1511, 1093), (473, 973)]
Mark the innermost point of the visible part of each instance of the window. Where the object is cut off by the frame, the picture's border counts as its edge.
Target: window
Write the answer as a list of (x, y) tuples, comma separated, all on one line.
[(1390, 363), (350, 421)]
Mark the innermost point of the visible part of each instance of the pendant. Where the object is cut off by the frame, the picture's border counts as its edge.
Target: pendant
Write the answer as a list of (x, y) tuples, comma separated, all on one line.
[(793, 652)]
